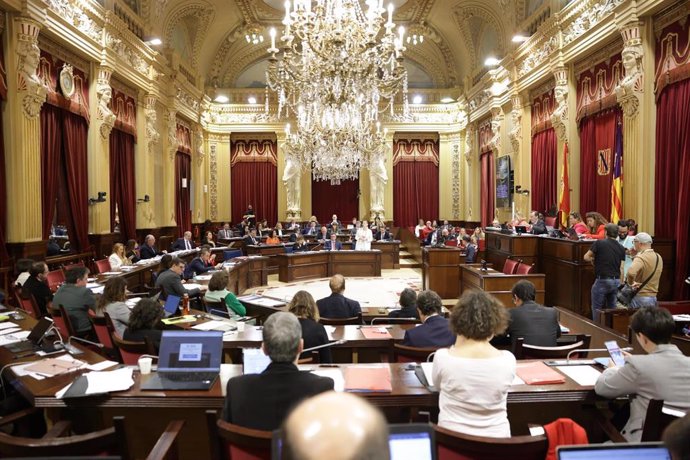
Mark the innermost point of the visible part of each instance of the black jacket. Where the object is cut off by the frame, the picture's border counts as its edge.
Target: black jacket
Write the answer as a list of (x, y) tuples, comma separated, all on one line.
[(536, 324), (338, 306), (147, 252), (314, 334), (40, 291)]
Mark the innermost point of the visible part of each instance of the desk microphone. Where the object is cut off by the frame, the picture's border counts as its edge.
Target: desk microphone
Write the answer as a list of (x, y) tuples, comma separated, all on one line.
[(325, 345), (72, 350), (484, 267)]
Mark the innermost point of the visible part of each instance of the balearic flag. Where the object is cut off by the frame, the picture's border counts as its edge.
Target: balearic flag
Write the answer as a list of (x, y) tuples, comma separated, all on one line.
[(564, 200), (617, 185)]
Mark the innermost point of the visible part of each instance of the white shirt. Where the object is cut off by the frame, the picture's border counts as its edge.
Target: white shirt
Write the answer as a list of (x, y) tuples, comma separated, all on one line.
[(21, 279), (474, 393), (115, 262), (364, 238), (418, 229)]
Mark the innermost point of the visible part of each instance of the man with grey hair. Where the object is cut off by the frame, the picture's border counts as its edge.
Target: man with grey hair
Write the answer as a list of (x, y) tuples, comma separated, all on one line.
[(148, 250), (647, 264), (608, 258), (336, 426), (185, 243), (262, 401)]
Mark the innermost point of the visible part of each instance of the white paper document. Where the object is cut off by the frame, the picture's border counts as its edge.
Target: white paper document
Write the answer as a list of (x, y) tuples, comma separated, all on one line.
[(426, 367), (7, 326), (336, 375), (583, 375), (105, 382), (190, 286), (14, 337), (214, 325)]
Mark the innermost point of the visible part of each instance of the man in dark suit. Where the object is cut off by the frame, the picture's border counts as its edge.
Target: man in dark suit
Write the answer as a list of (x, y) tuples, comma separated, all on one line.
[(148, 250), (536, 324), (323, 235), (538, 224), (252, 239), (408, 305), (337, 305), (185, 243), (170, 280), (382, 234), (263, 401), (199, 265), (310, 229), (77, 300), (225, 232), (333, 244), (37, 286), (435, 331)]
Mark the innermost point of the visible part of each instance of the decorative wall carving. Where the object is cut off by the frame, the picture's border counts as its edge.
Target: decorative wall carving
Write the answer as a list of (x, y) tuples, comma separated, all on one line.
[(292, 182), (537, 56), (31, 89), (199, 145), (515, 134), (455, 166), (105, 94), (115, 40), (74, 14), (378, 178), (497, 117), (588, 14), (470, 134), (629, 91), (559, 117), (203, 13), (173, 143), (188, 100), (152, 136), (213, 179)]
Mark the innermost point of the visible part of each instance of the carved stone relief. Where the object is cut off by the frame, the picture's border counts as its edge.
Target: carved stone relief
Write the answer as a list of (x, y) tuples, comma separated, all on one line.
[(470, 133), (75, 15), (199, 145), (515, 134), (152, 135), (213, 179), (171, 119), (455, 165), (31, 90), (630, 89), (559, 117), (105, 94), (496, 120)]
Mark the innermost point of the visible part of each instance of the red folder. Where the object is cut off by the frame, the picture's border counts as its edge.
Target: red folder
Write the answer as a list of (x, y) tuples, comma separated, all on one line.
[(368, 379), (375, 332), (538, 373)]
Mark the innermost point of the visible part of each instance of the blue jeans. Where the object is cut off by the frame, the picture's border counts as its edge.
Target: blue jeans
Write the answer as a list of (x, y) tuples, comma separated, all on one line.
[(643, 301), (604, 294)]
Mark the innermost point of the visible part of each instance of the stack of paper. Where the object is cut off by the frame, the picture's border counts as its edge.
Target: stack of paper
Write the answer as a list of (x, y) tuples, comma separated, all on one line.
[(583, 375), (214, 325), (376, 333), (50, 367), (98, 383)]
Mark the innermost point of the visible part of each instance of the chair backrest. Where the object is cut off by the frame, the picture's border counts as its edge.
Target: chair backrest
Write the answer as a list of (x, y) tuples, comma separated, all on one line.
[(102, 266), (524, 269), (234, 442), (66, 319), (100, 326), (211, 305), (455, 446), (550, 221), (524, 351), (227, 255), (166, 446), (55, 279), (59, 322), (405, 354), (130, 352), (510, 266), (655, 421), (341, 321), (27, 302), (108, 441)]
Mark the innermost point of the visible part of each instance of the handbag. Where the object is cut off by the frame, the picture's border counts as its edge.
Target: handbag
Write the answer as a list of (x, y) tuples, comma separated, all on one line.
[(626, 292)]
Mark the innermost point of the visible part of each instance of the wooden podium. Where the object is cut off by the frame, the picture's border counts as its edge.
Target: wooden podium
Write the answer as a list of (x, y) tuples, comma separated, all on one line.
[(441, 271), (498, 284)]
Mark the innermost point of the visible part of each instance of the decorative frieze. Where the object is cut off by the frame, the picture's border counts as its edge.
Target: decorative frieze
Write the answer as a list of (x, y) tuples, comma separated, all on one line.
[(455, 166), (31, 89), (537, 56), (76, 15), (515, 134), (588, 14), (470, 134), (213, 180), (152, 136)]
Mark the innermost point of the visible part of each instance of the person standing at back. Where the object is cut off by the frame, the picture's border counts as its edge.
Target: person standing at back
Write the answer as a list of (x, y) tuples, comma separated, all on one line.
[(608, 258), (647, 264)]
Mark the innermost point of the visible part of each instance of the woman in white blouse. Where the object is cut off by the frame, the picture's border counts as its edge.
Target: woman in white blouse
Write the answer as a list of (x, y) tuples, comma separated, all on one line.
[(363, 238), (117, 259), (472, 375)]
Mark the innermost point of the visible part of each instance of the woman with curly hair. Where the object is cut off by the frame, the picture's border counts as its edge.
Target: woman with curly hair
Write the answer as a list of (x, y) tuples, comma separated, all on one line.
[(595, 226), (304, 307), (112, 301), (144, 321), (472, 375)]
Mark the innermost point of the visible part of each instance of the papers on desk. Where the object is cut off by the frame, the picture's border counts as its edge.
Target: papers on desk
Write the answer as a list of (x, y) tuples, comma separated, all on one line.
[(7, 326), (132, 301), (95, 383), (681, 318), (11, 330), (203, 277), (179, 319), (426, 368), (368, 378), (13, 337), (95, 288), (215, 325), (334, 374), (191, 286), (564, 330), (110, 273), (373, 332), (261, 300), (49, 367), (583, 375)]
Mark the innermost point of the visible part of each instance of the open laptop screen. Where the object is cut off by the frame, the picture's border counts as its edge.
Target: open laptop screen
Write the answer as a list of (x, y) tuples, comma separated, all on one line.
[(414, 441), (635, 451), (190, 351)]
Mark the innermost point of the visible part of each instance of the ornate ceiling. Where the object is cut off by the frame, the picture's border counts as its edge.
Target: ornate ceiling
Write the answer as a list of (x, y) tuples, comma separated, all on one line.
[(208, 36)]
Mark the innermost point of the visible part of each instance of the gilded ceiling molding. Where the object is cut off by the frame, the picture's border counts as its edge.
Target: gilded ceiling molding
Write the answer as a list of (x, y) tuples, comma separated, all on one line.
[(203, 12), (584, 15), (629, 90), (422, 10), (436, 70), (469, 10), (78, 15), (431, 34), (242, 59), (31, 90), (105, 93), (219, 59)]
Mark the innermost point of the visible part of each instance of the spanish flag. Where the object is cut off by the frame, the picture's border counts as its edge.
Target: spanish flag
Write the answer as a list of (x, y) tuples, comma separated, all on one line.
[(617, 185), (564, 199)]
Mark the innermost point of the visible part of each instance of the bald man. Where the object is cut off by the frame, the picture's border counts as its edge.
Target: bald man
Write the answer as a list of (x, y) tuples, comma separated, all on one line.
[(336, 426)]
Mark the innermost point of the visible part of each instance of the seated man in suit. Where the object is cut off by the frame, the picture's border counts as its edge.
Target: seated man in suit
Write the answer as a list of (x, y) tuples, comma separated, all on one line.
[(324, 235), (382, 234), (310, 229), (262, 401), (148, 250), (408, 305), (170, 280), (538, 224), (77, 300), (336, 426), (337, 305), (252, 239), (201, 264), (663, 373), (534, 323), (335, 221), (434, 332), (300, 245), (37, 286), (333, 244), (225, 232), (185, 243)]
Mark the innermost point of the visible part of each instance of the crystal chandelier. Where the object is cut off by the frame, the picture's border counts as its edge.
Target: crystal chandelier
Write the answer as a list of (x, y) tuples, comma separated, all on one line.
[(338, 68), (253, 36)]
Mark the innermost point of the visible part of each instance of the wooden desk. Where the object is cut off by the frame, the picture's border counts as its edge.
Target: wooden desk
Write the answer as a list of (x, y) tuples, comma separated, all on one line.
[(500, 246), (269, 251), (441, 271), (579, 324), (390, 252), (322, 264), (497, 283)]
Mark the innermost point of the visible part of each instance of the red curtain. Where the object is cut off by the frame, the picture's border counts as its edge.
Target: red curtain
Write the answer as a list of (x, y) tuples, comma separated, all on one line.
[(122, 184), (415, 192), (544, 155), (183, 212), (51, 142), (597, 143), (341, 199), (3, 194), (672, 186), (488, 188), (254, 183)]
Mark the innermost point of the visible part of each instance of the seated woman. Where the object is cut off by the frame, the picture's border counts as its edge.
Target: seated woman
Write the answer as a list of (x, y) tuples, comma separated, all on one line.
[(208, 240), (479, 233), (218, 292), (279, 230), (300, 245), (595, 226), (473, 376), (314, 334), (117, 259), (145, 322), (472, 248), (408, 304), (272, 238), (575, 222), (112, 301), (132, 251)]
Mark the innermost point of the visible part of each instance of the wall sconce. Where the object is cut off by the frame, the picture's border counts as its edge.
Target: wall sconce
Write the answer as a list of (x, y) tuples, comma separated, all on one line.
[(519, 190), (184, 182), (100, 199), (146, 199)]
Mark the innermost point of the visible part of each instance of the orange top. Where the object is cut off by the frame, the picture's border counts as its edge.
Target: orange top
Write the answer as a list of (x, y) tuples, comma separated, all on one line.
[(599, 235), (274, 240)]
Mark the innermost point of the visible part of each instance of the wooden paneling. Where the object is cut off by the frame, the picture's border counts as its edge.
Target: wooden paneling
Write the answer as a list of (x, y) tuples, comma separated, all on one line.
[(320, 264), (498, 284), (441, 271)]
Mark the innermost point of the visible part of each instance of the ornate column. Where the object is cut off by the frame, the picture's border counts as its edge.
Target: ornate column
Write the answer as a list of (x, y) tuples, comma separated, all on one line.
[(99, 147), (378, 179), (200, 182), (144, 151), (472, 174), (22, 139), (565, 126), (497, 119), (638, 168), (515, 134), (445, 176), (520, 118), (169, 185)]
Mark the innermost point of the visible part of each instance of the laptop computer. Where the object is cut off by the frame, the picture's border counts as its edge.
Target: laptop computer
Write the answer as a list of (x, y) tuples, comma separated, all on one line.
[(171, 306), (187, 360), (34, 341), (633, 451), (409, 441)]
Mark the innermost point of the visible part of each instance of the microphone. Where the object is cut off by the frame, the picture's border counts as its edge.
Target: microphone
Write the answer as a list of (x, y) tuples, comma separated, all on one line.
[(393, 319), (325, 345), (88, 342), (579, 350), (484, 267)]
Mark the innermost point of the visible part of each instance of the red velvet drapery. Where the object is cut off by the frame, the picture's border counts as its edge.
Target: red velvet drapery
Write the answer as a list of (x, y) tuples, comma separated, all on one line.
[(415, 179), (341, 199), (64, 161), (255, 184), (672, 186), (544, 157), (597, 143), (488, 188), (122, 184), (183, 177)]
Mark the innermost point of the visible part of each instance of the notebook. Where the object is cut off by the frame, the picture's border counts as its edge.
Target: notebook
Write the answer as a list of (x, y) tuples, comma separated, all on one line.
[(631, 451), (538, 373), (366, 379), (375, 332), (171, 305), (188, 360)]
